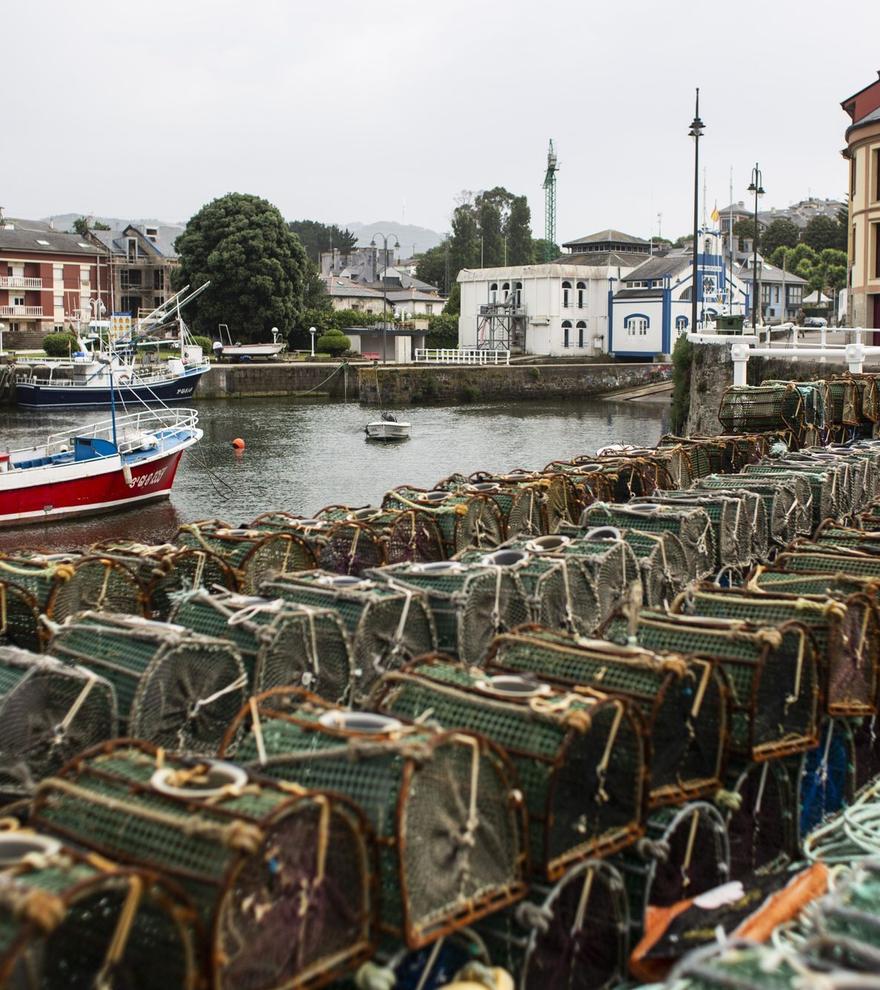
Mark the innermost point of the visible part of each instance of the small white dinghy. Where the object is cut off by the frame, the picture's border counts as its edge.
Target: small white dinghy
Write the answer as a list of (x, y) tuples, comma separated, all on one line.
[(389, 427)]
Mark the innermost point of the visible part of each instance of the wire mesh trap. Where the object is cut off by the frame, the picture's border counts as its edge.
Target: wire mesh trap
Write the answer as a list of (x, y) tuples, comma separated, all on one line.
[(580, 759), (829, 496), (559, 592), (280, 878), (280, 643), (164, 570), (451, 833), (70, 923), (761, 826), (829, 585), (690, 524), (785, 514), (465, 519), (252, 554), (683, 853), (386, 626), (173, 687), (846, 634), (683, 701), (49, 711), (573, 935), (772, 674), (469, 603), (820, 559), (407, 535), (759, 409), (29, 583)]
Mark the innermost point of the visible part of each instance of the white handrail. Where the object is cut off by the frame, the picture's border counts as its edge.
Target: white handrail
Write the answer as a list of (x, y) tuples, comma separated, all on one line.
[(130, 429), (461, 355)]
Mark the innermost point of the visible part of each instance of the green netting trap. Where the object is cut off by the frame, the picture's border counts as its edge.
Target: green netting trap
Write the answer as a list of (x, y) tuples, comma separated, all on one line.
[(522, 506), (787, 515), (580, 759), (49, 711), (828, 498), (756, 409), (683, 853), (251, 553), (560, 593), (704, 455), (386, 626), (846, 634), (465, 519), (829, 585), (573, 935), (173, 687), (761, 826), (772, 673), (691, 524), (280, 878), (29, 583), (469, 603), (405, 535), (683, 701), (820, 559), (451, 836), (163, 570), (281, 643), (70, 923)]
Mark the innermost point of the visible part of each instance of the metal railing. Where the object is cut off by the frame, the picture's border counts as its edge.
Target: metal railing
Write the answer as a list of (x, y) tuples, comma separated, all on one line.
[(21, 310), (461, 355), (132, 429), (20, 282)]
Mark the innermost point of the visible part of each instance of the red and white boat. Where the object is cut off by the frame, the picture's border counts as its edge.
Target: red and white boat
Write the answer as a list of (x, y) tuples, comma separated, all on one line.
[(121, 461)]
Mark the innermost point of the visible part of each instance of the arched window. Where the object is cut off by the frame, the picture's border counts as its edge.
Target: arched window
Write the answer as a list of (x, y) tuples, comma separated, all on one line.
[(517, 288), (681, 323), (636, 325), (566, 332), (581, 329), (566, 294), (493, 293), (582, 294), (505, 289)]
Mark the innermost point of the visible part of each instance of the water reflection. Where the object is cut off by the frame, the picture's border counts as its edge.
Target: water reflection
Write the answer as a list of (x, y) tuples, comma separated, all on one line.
[(302, 456)]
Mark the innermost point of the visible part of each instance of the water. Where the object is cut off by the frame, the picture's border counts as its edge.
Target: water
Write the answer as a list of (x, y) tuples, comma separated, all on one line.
[(301, 456)]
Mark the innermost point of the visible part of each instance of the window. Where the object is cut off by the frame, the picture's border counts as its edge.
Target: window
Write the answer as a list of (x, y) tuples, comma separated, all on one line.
[(506, 291), (795, 294), (636, 325), (44, 243), (876, 156), (765, 294), (517, 288), (429, 309), (681, 323), (18, 300), (581, 329), (566, 295), (582, 296), (493, 293), (876, 227), (776, 294), (852, 177), (566, 332)]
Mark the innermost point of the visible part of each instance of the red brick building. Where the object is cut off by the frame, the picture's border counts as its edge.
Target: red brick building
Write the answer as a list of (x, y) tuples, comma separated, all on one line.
[(48, 280)]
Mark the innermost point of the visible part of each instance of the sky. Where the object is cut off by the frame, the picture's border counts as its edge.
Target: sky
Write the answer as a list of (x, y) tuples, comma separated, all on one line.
[(356, 111)]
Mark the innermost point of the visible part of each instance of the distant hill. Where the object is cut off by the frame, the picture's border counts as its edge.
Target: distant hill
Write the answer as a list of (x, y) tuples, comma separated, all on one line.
[(413, 239)]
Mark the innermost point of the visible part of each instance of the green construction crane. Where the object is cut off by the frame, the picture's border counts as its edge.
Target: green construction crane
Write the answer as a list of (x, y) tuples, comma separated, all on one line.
[(550, 203)]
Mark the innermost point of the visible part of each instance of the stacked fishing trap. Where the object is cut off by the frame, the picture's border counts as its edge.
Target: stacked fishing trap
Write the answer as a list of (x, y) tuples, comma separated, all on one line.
[(465, 518), (403, 535)]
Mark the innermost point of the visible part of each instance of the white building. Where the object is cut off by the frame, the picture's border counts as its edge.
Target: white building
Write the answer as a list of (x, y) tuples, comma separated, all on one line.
[(556, 309)]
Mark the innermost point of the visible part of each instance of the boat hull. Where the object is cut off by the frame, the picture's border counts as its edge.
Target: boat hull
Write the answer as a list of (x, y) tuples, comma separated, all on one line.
[(106, 489), (32, 395), (387, 431)]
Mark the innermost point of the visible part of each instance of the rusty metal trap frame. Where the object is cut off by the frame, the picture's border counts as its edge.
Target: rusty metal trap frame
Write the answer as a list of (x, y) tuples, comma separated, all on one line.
[(787, 516), (729, 452), (760, 813), (280, 877), (757, 409), (49, 711), (731, 519), (164, 570), (405, 535), (829, 496), (835, 535), (469, 603), (705, 455), (817, 558), (867, 397), (386, 626), (560, 593), (69, 920), (251, 553), (683, 853), (574, 934), (683, 701), (771, 580), (690, 524), (451, 830), (772, 674), (522, 504), (173, 687), (846, 634), (580, 758), (465, 520), (281, 643)]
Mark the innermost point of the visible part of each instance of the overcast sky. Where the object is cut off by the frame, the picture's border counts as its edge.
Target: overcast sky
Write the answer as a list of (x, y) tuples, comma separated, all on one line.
[(343, 111)]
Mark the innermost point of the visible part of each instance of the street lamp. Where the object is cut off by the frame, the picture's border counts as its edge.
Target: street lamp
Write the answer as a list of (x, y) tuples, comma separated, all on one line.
[(384, 288), (757, 188), (696, 132), (313, 331)]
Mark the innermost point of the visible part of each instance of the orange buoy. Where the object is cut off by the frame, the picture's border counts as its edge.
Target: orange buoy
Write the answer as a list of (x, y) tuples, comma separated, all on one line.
[(238, 443)]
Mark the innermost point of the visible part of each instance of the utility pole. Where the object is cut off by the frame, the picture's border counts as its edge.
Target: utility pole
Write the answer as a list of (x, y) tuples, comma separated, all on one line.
[(550, 203), (696, 132)]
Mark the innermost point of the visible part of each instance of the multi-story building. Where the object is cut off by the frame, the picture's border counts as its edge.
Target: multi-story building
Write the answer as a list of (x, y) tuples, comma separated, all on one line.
[(345, 293), (863, 152), (361, 264), (48, 280)]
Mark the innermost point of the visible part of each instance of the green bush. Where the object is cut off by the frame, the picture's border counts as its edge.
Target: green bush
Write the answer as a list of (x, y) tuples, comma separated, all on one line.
[(682, 359), (334, 342), (59, 344), (206, 345)]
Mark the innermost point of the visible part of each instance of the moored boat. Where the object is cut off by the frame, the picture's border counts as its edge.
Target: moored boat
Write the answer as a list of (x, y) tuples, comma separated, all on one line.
[(389, 427)]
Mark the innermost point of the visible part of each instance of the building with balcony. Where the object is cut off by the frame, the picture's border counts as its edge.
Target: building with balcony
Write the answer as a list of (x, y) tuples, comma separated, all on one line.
[(863, 153), (48, 280)]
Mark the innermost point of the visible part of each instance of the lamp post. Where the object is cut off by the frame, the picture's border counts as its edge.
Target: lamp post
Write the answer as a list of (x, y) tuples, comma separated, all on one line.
[(2, 331), (757, 188), (384, 288), (696, 132), (313, 331)]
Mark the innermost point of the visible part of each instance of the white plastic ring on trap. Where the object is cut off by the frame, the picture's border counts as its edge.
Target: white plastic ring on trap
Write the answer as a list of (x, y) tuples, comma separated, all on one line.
[(14, 846), (220, 775), (368, 722), (512, 686)]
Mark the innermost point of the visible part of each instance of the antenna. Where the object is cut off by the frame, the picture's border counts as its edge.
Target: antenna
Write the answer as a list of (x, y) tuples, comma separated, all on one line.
[(550, 203)]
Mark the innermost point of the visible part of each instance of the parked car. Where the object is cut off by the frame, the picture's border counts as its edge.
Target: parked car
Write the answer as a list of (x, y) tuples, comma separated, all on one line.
[(815, 322)]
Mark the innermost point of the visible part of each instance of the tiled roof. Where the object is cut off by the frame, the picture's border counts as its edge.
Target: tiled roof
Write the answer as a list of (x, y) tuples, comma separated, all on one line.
[(344, 288), (36, 236), (601, 236)]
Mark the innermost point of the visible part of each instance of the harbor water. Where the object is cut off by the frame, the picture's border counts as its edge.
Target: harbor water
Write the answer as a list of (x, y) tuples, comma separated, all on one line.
[(300, 456)]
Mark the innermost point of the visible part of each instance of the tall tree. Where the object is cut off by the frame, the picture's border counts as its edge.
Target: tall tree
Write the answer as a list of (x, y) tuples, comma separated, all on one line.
[(433, 266), (780, 233), (464, 247), (518, 232), (823, 232), (540, 252), (258, 269), (491, 236), (317, 237)]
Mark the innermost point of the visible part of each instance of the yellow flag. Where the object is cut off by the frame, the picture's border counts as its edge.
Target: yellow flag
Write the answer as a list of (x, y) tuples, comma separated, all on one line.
[(715, 214)]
